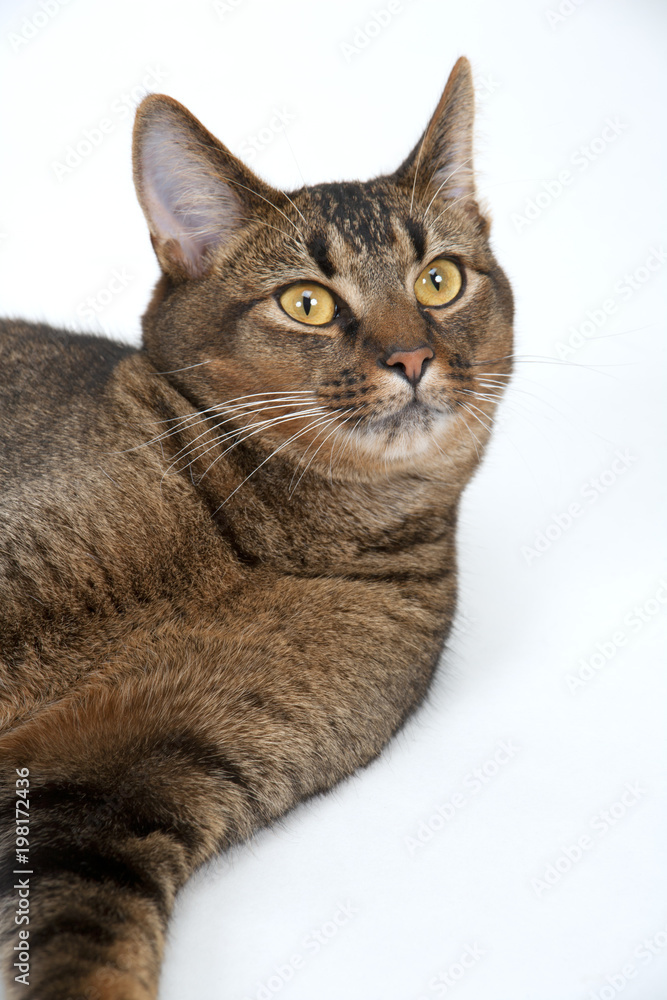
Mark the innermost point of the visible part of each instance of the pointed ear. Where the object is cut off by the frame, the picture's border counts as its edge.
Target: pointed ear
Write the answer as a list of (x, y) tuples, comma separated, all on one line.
[(194, 193), (441, 162)]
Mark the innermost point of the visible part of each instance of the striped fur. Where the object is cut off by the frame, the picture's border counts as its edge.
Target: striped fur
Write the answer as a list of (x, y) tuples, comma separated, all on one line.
[(227, 559)]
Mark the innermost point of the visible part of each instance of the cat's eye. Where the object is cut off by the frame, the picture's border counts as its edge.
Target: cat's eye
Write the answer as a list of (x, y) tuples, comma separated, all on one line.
[(308, 303), (439, 283)]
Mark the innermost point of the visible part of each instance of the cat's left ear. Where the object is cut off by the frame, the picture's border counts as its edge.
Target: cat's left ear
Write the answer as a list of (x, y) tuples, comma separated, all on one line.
[(441, 164), (195, 194)]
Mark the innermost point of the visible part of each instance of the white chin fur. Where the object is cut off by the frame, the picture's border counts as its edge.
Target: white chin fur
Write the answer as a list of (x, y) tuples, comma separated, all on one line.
[(401, 446)]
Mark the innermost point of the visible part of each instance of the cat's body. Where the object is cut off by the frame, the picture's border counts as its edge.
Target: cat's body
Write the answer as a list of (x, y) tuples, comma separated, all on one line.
[(227, 565)]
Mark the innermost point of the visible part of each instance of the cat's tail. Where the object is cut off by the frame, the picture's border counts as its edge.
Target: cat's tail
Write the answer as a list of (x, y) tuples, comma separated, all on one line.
[(107, 805)]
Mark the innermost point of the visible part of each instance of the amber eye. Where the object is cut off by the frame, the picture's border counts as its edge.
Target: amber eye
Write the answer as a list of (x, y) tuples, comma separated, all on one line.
[(438, 283), (309, 303)]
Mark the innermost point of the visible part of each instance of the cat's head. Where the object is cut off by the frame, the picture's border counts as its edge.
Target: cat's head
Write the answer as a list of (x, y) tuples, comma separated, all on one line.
[(361, 325)]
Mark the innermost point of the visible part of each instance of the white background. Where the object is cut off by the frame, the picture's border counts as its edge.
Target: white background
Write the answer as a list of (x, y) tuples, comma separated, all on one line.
[(527, 621)]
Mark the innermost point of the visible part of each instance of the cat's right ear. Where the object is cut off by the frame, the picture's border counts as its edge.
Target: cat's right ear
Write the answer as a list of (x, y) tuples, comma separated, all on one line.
[(441, 164), (194, 193)]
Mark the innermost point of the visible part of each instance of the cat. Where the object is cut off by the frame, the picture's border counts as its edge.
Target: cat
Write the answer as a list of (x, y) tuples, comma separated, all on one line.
[(228, 564)]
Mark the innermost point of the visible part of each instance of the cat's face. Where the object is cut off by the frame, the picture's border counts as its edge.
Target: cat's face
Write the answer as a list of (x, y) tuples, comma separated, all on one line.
[(360, 326)]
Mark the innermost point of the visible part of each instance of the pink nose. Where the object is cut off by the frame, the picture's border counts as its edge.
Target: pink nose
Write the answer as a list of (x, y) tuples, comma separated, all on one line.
[(412, 364)]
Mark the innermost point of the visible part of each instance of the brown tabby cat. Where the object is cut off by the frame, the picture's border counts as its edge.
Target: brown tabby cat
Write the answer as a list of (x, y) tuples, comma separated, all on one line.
[(227, 565)]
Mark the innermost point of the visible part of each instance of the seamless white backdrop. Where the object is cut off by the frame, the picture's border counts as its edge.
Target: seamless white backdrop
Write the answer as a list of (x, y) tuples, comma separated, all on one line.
[(509, 845)]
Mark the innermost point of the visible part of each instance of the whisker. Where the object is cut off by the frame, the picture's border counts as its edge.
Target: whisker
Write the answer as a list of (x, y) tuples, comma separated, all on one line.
[(347, 441), (541, 360), (323, 428), (288, 236), (337, 411), (447, 178), (296, 162), (540, 399), (185, 369), (198, 415), (235, 415), (474, 439), (285, 195), (274, 452), (188, 446), (343, 412), (231, 180), (490, 396), (487, 427), (452, 203), (258, 195), (187, 460), (414, 182), (262, 425), (192, 419), (350, 439)]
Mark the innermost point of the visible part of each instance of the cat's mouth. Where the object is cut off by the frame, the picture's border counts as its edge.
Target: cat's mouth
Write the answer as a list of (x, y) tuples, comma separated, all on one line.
[(415, 416), (400, 436)]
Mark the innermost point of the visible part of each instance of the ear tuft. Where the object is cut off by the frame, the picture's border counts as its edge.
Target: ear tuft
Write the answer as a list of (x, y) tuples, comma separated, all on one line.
[(194, 193), (441, 164)]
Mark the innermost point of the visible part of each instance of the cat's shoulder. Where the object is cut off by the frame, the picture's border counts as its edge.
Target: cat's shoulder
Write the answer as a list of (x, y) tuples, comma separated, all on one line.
[(63, 359), (52, 384)]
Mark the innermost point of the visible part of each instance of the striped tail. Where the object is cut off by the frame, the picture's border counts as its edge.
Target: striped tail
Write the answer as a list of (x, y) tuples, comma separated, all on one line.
[(126, 796)]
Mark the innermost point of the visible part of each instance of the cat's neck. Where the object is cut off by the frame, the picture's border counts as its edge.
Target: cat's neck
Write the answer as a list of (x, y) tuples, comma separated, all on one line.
[(309, 522), (277, 512)]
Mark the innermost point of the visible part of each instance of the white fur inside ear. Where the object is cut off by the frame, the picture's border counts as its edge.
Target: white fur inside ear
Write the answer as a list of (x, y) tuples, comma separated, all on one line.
[(186, 200), (456, 177)]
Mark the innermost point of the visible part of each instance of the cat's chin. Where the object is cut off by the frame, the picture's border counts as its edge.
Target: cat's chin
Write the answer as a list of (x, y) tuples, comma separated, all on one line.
[(413, 432)]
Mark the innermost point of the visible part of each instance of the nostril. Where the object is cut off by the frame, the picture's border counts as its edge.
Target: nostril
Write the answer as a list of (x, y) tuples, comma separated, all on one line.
[(411, 364)]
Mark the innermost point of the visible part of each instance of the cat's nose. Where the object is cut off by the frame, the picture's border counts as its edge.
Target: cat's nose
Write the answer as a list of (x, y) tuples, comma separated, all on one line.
[(411, 364)]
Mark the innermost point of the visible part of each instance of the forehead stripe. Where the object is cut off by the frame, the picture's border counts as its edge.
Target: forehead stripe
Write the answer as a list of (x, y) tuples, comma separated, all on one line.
[(416, 233), (319, 251)]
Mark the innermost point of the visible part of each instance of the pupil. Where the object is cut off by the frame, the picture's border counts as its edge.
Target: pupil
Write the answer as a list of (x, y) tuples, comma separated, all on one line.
[(436, 278), (306, 302)]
